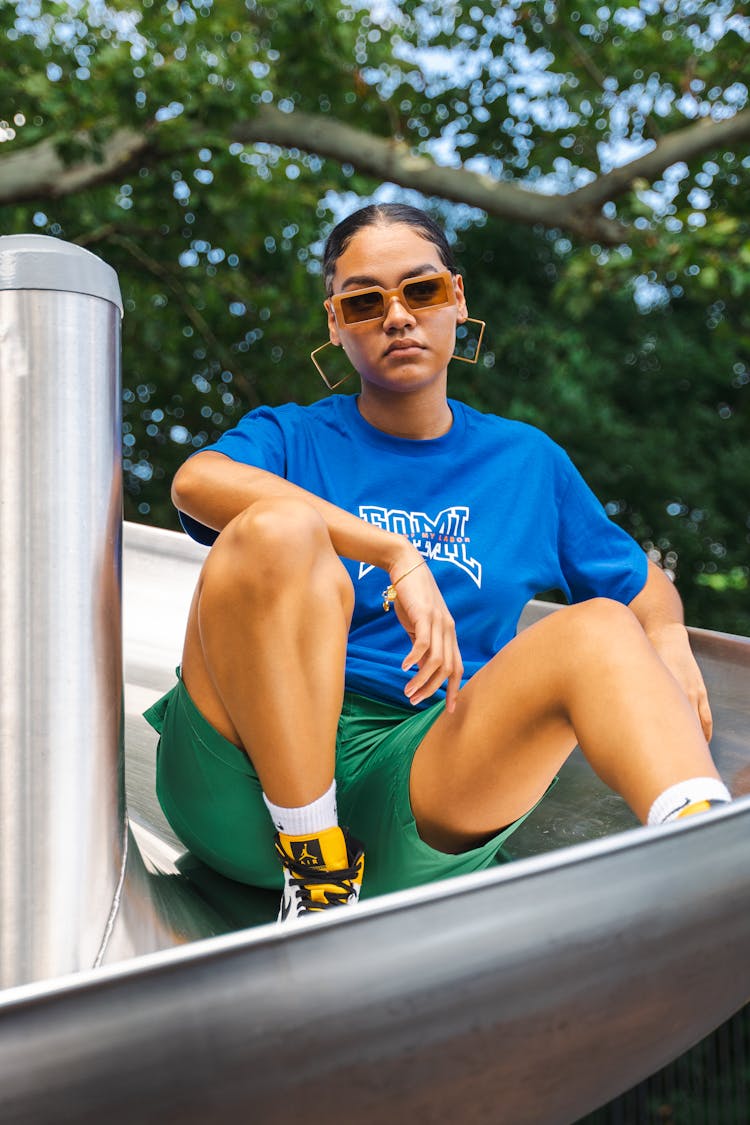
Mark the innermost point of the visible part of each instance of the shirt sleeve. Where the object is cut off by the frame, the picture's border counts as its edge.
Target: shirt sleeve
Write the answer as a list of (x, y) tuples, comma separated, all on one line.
[(258, 440), (597, 558)]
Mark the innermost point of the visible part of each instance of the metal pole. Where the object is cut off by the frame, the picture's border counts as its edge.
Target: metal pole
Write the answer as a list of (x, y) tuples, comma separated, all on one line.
[(61, 793)]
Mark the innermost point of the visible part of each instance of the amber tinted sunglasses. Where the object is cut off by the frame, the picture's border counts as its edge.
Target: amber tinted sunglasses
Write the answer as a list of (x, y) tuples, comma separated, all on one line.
[(431, 291)]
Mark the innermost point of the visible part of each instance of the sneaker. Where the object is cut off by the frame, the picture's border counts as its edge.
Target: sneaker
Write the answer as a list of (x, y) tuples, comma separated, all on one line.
[(320, 871)]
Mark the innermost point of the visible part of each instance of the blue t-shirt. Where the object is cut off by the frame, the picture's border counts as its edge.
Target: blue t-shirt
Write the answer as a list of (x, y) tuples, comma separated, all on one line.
[(496, 508)]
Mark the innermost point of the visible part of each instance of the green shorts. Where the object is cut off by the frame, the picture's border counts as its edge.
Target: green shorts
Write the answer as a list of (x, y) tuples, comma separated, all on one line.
[(212, 797)]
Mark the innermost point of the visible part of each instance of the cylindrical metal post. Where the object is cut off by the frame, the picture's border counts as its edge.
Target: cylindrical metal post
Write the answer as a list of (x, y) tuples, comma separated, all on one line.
[(61, 794)]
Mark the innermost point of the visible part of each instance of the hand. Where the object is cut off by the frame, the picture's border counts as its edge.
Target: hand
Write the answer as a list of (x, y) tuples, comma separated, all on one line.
[(420, 608), (672, 643)]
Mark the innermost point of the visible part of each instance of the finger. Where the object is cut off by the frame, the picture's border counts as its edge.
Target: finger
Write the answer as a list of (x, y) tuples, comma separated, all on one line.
[(454, 679), (430, 687), (451, 669), (448, 672), (420, 645), (431, 672)]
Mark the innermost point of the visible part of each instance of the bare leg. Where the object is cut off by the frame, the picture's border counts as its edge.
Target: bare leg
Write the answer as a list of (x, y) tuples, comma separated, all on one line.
[(586, 674), (265, 645)]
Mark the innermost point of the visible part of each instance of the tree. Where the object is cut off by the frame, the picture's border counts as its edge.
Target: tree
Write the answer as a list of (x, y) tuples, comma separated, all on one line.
[(562, 75), (200, 148)]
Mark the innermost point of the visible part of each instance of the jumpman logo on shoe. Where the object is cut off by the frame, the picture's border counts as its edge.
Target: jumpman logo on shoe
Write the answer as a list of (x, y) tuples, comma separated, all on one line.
[(307, 852)]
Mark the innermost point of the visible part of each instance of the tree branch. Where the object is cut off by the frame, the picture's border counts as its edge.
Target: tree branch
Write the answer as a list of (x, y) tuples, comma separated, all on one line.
[(683, 145), (38, 172), (387, 159)]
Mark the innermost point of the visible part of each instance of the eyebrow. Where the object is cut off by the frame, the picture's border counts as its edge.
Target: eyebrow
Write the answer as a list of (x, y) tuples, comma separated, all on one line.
[(364, 281)]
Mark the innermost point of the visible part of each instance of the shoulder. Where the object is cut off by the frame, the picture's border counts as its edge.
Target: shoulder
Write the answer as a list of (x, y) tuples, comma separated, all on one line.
[(521, 437), (287, 421)]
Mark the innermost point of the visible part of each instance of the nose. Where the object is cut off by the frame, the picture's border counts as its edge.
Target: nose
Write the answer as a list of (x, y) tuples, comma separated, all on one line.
[(397, 315)]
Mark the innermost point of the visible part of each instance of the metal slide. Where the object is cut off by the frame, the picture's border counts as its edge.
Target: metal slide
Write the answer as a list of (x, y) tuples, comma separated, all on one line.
[(138, 986), (530, 993)]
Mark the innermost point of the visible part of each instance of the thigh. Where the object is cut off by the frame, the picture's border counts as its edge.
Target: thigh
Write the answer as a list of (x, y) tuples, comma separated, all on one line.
[(251, 617), (375, 749), (494, 757), (211, 795), (198, 679)]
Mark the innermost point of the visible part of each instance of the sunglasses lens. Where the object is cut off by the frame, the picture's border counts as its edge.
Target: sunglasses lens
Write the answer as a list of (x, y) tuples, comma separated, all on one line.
[(425, 292), (369, 304), (362, 306)]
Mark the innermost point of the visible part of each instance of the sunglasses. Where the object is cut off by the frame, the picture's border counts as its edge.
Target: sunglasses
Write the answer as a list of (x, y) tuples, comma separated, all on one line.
[(431, 291)]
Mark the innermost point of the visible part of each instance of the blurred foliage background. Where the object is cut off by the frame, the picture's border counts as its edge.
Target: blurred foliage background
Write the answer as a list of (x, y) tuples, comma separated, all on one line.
[(632, 351)]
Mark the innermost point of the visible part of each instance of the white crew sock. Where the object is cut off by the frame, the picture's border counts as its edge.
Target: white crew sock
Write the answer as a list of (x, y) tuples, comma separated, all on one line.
[(669, 804), (306, 819)]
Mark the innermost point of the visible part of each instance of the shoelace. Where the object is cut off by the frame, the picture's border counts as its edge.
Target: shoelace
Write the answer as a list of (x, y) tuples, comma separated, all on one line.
[(306, 878)]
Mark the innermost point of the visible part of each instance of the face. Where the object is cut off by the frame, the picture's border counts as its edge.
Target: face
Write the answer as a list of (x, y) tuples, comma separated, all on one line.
[(407, 349)]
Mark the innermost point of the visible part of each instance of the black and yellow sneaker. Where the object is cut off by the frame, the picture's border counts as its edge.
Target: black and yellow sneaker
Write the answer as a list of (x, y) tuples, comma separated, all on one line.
[(320, 871)]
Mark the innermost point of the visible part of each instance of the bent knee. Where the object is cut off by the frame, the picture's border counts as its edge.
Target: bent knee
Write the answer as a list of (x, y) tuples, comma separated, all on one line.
[(270, 544), (602, 625), (275, 528), (606, 610)]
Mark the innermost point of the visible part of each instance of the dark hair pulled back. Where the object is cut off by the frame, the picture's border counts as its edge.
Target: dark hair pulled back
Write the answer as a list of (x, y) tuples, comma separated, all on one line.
[(385, 213)]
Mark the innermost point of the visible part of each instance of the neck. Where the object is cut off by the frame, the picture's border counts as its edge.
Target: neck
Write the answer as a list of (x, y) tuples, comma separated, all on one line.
[(418, 415)]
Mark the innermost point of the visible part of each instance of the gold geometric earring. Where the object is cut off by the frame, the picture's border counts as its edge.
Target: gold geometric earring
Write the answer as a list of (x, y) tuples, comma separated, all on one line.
[(321, 372), (463, 358)]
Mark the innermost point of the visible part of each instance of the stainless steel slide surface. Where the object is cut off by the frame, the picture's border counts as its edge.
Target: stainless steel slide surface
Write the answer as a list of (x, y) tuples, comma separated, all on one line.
[(529, 993)]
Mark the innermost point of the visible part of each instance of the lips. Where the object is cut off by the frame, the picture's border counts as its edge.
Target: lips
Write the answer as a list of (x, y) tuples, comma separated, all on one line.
[(403, 346)]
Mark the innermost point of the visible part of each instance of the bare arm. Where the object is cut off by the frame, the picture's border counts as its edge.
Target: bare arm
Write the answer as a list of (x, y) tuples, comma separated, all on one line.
[(213, 489), (659, 609)]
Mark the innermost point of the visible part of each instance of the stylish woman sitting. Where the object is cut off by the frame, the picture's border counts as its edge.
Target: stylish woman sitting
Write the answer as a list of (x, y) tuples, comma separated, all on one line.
[(351, 650)]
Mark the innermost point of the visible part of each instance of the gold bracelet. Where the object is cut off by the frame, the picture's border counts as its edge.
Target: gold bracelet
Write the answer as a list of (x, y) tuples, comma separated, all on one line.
[(390, 593)]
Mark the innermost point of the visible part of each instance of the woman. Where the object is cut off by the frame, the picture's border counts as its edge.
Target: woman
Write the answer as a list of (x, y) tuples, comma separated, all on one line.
[(304, 683)]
